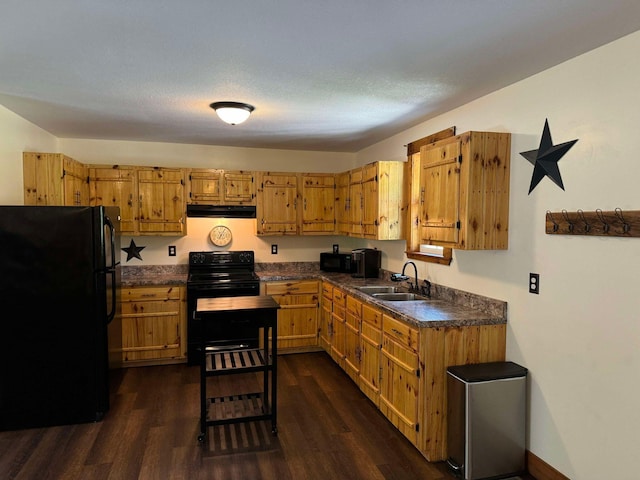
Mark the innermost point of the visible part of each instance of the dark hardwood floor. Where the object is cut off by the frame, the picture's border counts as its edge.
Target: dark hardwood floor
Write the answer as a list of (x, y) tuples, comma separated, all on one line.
[(327, 429)]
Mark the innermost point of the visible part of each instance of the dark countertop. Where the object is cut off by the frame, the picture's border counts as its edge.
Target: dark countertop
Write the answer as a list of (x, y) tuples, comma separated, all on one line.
[(447, 307)]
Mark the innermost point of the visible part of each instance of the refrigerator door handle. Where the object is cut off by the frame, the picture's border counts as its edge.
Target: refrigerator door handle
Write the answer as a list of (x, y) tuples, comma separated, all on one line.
[(112, 269)]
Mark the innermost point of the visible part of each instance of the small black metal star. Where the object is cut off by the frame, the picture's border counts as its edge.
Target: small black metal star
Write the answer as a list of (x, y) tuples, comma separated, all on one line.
[(545, 159), (133, 251)]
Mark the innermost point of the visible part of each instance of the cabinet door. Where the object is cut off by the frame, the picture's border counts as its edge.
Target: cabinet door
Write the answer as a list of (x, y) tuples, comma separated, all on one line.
[(205, 186), (355, 202), (318, 198), (370, 345), (115, 186), (342, 203), (276, 204), (161, 201), (440, 193), (338, 318), (325, 321), (153, 325), (298, 313), (238, 188), (370, 201), (352, 338), (399, 385)]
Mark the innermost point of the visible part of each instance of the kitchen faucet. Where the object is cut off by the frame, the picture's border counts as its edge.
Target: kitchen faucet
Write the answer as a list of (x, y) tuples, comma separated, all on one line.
[(401, 277)]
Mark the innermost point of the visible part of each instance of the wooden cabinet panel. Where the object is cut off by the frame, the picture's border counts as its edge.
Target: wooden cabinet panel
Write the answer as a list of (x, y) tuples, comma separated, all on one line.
[(153, 325), (298, 313), (116, 186), (318, 198), (220, 187), (239, 188), (276, 204), (356, 202), (326, 322)]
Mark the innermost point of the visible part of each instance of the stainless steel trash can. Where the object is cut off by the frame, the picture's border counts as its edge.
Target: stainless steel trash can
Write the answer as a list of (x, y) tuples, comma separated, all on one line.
[(486, 420)]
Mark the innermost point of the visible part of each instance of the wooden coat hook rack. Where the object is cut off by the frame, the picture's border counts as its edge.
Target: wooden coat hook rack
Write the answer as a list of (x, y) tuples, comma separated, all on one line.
[(616, 223)]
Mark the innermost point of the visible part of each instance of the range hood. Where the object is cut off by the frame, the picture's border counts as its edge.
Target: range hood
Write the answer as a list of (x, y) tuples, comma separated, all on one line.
[(221, 211)]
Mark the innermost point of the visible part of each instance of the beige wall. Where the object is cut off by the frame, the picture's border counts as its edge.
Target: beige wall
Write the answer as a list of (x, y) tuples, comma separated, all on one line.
[(580, 337)]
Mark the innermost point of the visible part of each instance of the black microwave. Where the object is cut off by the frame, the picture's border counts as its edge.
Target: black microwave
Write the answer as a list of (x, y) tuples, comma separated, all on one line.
[(336, 262)]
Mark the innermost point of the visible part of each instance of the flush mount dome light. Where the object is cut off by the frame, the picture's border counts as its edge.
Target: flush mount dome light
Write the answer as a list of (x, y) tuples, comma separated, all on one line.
[(232, 112)]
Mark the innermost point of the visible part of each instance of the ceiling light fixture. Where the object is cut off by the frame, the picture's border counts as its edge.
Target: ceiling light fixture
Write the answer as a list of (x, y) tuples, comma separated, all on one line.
[(232, 112)]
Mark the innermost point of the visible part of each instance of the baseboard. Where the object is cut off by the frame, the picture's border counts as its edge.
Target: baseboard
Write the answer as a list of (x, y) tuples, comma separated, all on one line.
[(541, 470)]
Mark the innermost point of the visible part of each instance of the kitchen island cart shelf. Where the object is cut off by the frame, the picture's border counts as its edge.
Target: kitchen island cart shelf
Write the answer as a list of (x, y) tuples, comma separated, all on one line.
[(260, 311)]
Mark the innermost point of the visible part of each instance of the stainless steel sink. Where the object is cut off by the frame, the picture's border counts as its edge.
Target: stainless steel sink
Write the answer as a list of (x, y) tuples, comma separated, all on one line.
[(397, 296), (374, 289)]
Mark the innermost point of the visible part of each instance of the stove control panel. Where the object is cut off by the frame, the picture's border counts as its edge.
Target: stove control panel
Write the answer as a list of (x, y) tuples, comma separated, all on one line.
[(237, 257)]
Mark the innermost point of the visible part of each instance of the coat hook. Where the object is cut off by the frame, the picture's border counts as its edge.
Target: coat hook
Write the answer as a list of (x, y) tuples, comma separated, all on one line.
[(587, 225), (605, 225), (625, 226), (555, 224), (565, 214)]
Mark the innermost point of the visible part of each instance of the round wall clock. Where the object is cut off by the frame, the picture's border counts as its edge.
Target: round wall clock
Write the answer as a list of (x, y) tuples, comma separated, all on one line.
[(220, 235)]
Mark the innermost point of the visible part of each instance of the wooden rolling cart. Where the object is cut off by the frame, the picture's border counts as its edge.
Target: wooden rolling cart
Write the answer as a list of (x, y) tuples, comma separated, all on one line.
[(260, 311)]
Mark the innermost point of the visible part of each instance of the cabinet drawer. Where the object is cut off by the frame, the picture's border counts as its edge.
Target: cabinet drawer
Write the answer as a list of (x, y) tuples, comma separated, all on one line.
[(372, 316), (150, 293), (402, 333), (288, 288), (327, 291), (371, 333), (339, 299)]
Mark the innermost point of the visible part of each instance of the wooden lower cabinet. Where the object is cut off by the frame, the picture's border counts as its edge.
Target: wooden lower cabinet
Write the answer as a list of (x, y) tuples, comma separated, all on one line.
[(399, 379), (326, 322), (353, 319), (370, 346), (402, 367), (297, 315), (153, 325), (338, 319)]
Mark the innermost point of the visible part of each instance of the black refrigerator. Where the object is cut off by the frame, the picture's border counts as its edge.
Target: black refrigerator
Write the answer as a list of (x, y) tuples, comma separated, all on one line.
[(61, 326)]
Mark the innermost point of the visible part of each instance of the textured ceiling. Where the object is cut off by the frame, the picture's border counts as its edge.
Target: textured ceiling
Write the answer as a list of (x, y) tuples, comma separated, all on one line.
[(326, 75)]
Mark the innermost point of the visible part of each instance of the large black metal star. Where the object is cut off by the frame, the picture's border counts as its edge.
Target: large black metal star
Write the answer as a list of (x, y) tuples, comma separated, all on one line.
[(545, 159), (133, 251)]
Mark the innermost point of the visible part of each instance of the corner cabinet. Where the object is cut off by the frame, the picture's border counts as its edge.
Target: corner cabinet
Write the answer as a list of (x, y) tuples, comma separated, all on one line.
[(154, 328), (464, 191), (54, 179), (382, 199)]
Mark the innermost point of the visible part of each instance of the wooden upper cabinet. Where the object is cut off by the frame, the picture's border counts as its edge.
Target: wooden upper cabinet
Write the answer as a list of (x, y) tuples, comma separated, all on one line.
[(116, 186), (205, 186), (464, 191), (54, 179), (341, 203), (382, 217), (277, 203), (318, 203), (221, 187), (356, 202), (161, 196)]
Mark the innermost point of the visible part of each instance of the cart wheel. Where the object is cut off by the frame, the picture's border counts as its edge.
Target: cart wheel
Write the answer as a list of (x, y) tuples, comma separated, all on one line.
[(202, 437)]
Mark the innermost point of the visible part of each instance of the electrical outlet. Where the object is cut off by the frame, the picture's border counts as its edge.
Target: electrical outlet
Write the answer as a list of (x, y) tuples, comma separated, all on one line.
[(534, 283), (274, 249), (172, 250)]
